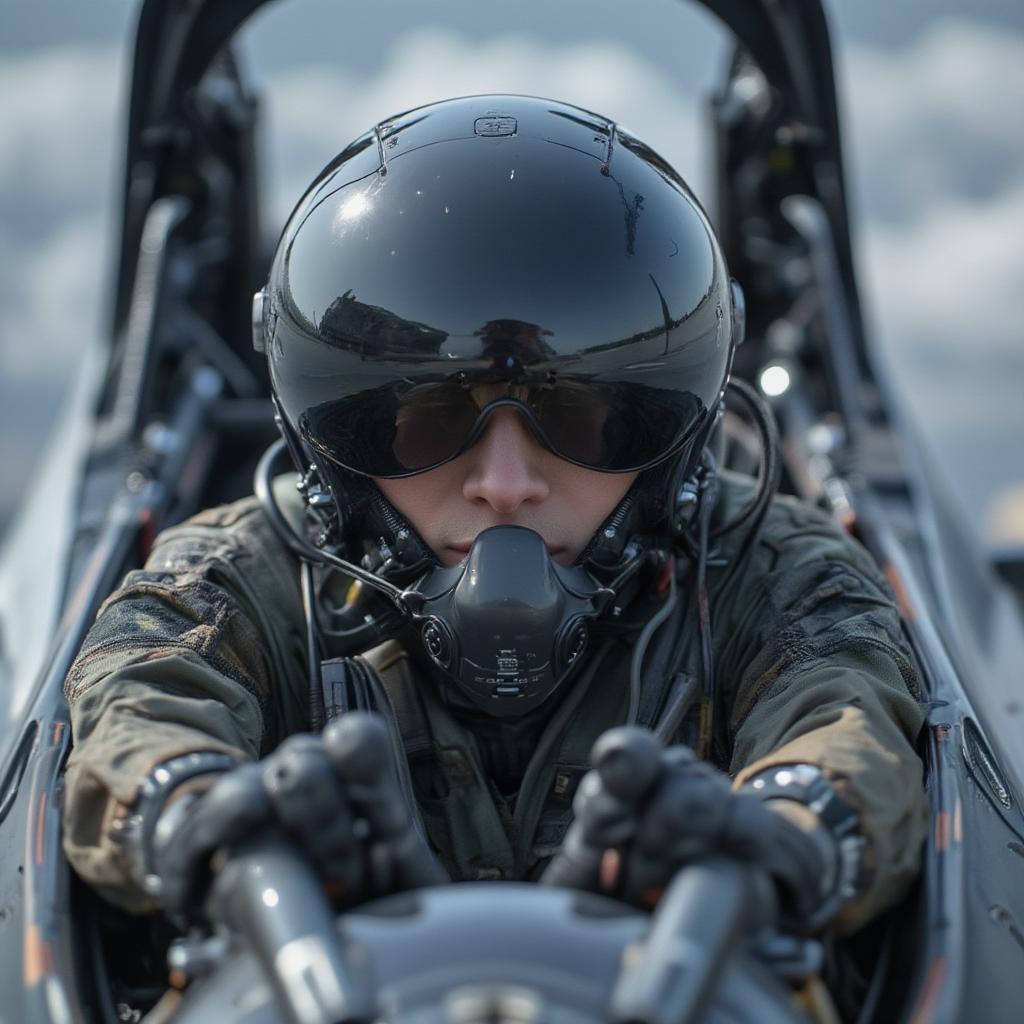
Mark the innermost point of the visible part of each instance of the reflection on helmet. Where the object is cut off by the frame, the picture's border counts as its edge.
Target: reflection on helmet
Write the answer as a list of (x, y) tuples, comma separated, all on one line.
[(508, 247)]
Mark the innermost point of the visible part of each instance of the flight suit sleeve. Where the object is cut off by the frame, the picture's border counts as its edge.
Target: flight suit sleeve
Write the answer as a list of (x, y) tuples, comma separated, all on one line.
[(817, 671), (201, 650)]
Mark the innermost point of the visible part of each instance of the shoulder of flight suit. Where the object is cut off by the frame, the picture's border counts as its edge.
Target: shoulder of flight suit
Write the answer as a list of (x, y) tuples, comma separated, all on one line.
[(202, 649), (813, 667)]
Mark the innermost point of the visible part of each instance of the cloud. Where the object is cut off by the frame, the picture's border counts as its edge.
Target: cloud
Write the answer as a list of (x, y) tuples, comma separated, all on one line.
[(58, 126), (57, 163), (49, 308), (314, 112), (939, 119), (937, 158), (952, 283), (52, 299), (59, 123)]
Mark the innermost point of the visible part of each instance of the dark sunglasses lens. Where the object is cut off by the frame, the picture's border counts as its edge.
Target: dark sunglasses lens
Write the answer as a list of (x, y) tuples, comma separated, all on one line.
[(432, 422), (607, 427), (396, 431), (393, 431), (574, 421)]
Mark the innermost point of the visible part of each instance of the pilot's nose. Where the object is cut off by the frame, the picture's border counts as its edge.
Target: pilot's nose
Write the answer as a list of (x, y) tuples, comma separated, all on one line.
[(506, 468)]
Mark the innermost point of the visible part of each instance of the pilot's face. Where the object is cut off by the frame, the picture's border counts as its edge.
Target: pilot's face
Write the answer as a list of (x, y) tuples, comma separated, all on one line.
[(507, 479)]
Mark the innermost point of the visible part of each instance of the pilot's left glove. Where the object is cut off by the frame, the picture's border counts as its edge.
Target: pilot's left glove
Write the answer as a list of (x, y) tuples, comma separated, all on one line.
[(333, 795), (644, 812)]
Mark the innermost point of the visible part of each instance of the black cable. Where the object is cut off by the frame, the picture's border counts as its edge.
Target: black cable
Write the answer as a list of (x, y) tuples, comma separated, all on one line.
[(298, 544), (685, 690), (869, 1006), (769, 473), (698, 549), (628, 571), (636, 664), (313, 651), (709, 689), (757, 511)]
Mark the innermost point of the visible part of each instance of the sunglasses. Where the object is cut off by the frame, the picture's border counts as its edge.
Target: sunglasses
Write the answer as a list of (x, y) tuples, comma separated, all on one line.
[(403, 428)]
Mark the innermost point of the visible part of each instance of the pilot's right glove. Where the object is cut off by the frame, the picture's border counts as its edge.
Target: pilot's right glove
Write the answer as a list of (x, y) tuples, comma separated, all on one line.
[(334, 795)]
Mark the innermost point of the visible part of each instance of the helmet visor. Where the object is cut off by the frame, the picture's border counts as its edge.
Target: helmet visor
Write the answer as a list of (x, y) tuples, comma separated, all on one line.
[(403, 428)]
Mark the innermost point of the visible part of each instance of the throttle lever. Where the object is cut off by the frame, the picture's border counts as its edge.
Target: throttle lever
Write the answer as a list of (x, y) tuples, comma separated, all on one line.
[(271, 897)]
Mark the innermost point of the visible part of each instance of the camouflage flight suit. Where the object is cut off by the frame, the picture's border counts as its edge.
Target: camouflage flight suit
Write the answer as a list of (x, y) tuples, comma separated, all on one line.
[(204, 650)]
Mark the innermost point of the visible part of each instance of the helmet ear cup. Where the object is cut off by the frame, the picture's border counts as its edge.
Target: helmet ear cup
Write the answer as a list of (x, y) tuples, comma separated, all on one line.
[(739, 313), (371, 530), (666, 493), (260, 320)]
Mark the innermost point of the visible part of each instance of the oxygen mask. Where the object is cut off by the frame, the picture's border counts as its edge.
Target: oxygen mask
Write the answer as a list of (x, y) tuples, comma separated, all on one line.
[(508, 624)]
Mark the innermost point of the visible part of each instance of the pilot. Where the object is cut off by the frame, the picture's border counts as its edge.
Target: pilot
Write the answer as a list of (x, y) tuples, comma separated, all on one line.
[(499, 333)]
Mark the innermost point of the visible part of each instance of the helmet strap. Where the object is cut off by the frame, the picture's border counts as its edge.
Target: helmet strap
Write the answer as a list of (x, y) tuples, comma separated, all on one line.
[(371, 530), (661, 505)]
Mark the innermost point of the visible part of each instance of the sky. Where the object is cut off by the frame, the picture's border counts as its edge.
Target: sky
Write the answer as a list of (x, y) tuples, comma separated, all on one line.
[(930, 90)]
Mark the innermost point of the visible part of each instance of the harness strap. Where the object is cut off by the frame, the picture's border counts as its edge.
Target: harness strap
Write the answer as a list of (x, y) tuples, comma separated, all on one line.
[(391, 666), (460, 813), (343, 687)]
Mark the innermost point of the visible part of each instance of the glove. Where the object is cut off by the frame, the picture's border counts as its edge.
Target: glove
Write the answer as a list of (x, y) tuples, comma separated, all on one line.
[(644, 812), (334, 795)]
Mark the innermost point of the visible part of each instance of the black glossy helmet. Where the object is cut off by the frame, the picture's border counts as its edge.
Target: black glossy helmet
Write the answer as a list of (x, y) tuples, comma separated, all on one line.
[(496, 250)]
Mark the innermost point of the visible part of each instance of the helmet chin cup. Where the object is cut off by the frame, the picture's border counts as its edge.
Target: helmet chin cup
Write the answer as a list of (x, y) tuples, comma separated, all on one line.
[(508, 624)]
